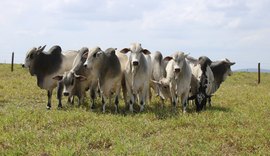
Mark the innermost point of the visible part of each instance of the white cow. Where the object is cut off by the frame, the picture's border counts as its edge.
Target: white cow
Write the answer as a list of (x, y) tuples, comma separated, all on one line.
[(176, 84), (137, 74)]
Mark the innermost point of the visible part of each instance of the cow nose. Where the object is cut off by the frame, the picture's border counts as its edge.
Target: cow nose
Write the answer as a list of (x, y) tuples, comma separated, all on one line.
[(66, 94), (135, 63), (23, 65), (177, 70)]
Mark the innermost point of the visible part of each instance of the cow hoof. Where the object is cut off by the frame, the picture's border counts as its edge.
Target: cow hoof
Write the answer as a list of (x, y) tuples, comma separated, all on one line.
[(48, 108), (59, 107)]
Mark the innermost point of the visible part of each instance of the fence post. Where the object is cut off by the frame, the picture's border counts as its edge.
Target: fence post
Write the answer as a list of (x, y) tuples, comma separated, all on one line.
[(259, 73), (12, 61)]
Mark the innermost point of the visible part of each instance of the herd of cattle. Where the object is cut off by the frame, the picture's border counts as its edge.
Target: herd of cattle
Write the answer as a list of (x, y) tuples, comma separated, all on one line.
[(178, 77)]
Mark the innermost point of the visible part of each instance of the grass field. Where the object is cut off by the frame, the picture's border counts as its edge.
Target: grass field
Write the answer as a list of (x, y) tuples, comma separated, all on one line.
[(238, 123)]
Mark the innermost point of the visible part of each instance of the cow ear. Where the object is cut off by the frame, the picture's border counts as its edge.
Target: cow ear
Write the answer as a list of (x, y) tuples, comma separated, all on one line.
[(80, 77), (99, 53), (58, 78), (41, 48), (168, 58), (232, 63), (156, 82), (146, 52), (228, 61), (85, 55), (113, 51), (125, 50)]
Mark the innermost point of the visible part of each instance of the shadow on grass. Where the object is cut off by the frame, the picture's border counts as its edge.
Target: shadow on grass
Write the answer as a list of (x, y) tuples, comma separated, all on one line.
[(160, 111), (218, 108)]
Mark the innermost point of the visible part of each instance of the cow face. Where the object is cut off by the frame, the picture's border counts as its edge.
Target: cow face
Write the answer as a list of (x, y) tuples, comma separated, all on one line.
[(163, 88), (31, 56), (136, 52), (94, 58), (69, 79), (178, 60), (227, 65)]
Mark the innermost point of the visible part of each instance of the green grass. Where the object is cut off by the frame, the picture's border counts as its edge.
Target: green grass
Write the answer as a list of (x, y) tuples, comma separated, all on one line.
[(238, 123)]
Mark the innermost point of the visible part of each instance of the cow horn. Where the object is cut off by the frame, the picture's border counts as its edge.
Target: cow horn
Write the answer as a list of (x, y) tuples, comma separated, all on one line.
[(41, 48), (187, 54)]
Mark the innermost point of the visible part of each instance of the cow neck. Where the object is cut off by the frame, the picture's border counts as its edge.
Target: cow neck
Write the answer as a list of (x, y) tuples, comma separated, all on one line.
[(47, 64)]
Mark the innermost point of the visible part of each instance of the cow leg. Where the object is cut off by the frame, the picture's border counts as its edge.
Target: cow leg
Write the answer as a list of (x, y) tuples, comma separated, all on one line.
[(131, 102), (130, 96), (174, 102), (209, 101), (116, 103), (162, 102), (141, 99), (81, 99), (103, 100), (144, 96), (173, 96), (71, 100), (59, 94), (93, 96), (124, 90), (184, 99), (49, 94)]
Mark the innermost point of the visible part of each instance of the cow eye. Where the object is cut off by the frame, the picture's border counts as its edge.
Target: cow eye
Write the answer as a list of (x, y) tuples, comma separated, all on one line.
[(95, 55), (30, 56)]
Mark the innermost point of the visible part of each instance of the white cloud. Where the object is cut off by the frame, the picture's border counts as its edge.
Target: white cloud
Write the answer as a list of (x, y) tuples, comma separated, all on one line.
[(220, 28)]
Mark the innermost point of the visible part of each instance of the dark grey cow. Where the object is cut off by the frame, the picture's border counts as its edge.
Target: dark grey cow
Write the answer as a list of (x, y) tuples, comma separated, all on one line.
[(106, 68), (221, 70), (47, 65)]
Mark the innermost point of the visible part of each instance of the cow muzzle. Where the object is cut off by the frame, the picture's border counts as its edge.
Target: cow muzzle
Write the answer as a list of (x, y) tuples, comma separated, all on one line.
[(177, 70), (66, 93), (135, 63)]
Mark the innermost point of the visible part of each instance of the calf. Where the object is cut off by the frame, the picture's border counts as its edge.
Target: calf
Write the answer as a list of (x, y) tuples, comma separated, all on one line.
[(158, 70), (78, 79), (45, 66)]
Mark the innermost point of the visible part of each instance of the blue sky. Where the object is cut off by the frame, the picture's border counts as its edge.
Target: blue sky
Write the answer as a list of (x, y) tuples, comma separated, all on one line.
[(235, 29)]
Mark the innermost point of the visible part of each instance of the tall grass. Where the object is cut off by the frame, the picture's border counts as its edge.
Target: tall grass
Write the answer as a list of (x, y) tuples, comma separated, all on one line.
[(238, 123)]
